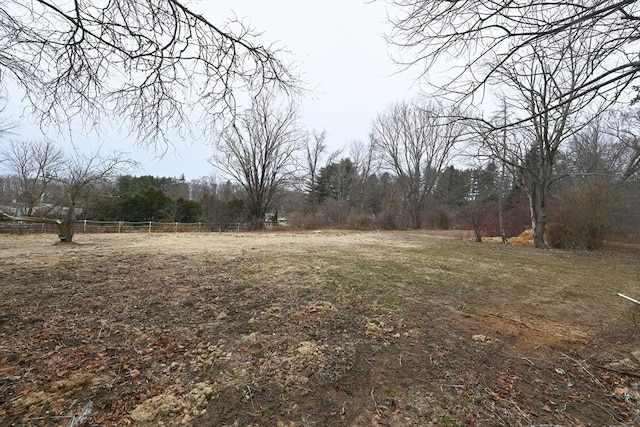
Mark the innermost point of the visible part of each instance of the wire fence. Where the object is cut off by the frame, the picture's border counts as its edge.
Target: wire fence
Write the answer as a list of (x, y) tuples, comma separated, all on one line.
[(87, 226)]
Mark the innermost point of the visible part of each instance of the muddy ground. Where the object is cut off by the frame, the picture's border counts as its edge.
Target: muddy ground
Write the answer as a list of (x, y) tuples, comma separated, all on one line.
[(314, 329)]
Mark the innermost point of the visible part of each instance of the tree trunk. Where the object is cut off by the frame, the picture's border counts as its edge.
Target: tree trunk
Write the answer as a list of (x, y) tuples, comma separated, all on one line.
[(65, 227), (416, 218), (503, 234), (65, 231), (415, 205), (258, 213), (538, 212)]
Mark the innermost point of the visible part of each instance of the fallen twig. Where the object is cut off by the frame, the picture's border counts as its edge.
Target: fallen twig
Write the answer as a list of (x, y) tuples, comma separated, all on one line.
[(375, 404), (618, 371), (524, 358), (526, 417), (613, 415), (584, 368)]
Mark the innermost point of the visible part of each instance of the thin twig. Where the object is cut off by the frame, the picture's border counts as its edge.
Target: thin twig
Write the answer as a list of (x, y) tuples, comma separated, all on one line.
[(378, 408), (375, 404), (251, 397), (49, 417), (618, 371), (584, 368), (524, 358), (520, 410), (612, 415)]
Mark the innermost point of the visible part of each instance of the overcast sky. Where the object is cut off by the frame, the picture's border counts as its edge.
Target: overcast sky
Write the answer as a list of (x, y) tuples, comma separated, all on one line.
[(340, 47)]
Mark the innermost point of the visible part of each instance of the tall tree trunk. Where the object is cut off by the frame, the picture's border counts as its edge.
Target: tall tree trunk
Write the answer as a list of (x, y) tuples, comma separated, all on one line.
[(477, 232), (258, 213), (538, 210), (501, 192), (415, 214), (415, 204)]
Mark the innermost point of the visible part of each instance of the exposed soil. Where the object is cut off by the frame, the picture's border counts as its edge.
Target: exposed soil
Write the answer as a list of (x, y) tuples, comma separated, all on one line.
[(301, 329)]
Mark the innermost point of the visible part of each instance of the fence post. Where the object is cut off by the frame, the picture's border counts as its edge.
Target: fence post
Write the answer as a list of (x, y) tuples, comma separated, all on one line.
[(199, 226), (119, 226), (84, 228), (176, 226), (149, 226)]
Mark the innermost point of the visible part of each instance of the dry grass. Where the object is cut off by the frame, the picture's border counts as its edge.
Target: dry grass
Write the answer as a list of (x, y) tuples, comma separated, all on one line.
[(335, 328)]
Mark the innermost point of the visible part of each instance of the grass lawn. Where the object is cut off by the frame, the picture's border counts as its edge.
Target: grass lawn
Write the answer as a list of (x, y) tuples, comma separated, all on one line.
[(301, 329)]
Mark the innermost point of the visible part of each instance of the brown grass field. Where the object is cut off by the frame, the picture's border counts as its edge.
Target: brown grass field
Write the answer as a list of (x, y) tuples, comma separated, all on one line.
[(314, 329)]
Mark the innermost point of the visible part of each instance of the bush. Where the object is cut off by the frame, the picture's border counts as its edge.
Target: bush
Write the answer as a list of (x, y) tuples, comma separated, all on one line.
[(304, 221), (584, 213), (362, 222), (557, 235)]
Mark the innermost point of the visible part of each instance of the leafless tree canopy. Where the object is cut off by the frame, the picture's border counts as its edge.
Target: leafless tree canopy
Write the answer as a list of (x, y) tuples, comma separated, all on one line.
[(260, 152), (624, 127), (480, 37), (314, 149), (34, 164), (543, 96), (42, 168), (366, 161), (6, 125), (149, 61), (415, 141), (607, 148)]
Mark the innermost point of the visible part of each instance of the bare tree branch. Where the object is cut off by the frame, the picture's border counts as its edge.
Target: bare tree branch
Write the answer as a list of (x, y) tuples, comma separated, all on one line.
[(157, 64), (45, 172), (415, 141), (259, 152), (33, 163), (541, 87), (481, 38)]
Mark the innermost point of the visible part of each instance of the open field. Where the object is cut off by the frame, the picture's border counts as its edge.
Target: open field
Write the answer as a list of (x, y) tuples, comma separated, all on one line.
[(307, 329)]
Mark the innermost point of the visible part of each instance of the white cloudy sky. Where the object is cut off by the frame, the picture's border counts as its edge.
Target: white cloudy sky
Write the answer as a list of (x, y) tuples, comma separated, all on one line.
[(340, 47)]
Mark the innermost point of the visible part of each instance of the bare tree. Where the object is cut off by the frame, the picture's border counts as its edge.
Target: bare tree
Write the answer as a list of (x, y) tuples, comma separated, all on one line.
[(315, 147), (367, 163), (78, 176), (416, 141), (260, 152), (476, 39), (625, 128), (34, 163), (154, 62), (596, 150), (42, 165), (538, 85)]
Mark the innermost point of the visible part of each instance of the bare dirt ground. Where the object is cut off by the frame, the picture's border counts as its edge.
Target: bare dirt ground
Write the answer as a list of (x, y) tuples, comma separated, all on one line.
[(314, 329)]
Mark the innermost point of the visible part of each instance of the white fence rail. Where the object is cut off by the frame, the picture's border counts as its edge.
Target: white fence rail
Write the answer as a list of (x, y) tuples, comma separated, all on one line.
[(86, 226)]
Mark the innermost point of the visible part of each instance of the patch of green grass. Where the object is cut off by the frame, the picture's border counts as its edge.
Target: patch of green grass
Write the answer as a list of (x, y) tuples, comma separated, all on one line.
[(430, 273), (304, 293)]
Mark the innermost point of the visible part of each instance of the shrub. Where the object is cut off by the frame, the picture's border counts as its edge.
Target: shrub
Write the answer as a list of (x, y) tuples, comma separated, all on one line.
[(362, 222), (584, 213)]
